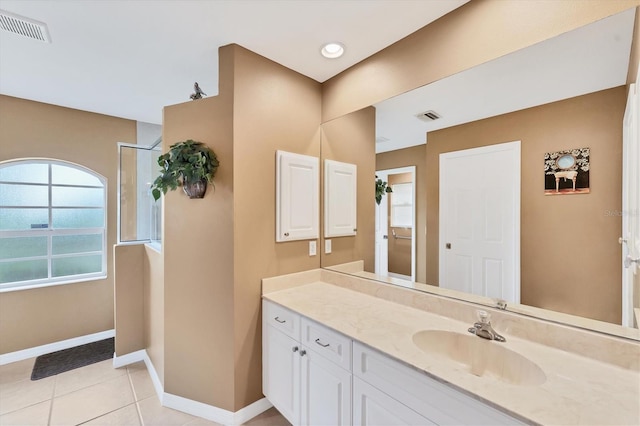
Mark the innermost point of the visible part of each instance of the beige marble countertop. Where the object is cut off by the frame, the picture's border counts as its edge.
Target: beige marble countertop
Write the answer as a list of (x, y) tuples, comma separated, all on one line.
[(577, 390)]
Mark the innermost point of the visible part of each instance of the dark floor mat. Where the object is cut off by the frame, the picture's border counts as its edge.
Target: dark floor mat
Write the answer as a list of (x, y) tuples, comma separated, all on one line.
[(68, 359)]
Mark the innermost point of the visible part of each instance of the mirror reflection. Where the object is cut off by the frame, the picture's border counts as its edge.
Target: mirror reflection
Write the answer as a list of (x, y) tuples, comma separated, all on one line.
[(558, 253)]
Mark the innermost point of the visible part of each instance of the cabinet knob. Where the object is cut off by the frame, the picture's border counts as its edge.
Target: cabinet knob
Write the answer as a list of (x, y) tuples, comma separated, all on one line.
[(303, 352), (295, 349), (286, 234)]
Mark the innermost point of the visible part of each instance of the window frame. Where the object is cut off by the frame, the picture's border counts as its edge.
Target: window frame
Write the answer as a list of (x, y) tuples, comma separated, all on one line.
[(50, 232)]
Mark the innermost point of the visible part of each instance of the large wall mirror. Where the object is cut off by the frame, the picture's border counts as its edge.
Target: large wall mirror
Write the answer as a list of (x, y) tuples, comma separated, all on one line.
[(567, 93)]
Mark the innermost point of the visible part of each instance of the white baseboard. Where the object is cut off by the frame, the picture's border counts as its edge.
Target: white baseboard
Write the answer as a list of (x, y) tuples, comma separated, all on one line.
[(133, 357), (216, 414), (157, 384), (141, 355), (190, 406), (53, 347)]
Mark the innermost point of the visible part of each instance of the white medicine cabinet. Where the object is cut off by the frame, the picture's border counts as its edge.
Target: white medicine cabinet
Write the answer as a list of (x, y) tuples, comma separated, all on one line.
[(340, 196), (297, 196)]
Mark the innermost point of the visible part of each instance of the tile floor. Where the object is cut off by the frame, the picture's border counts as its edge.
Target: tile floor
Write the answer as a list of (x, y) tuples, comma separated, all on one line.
[(96, 394)]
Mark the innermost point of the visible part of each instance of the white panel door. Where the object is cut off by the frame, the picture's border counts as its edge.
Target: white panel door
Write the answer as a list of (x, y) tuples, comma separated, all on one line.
[(326, 392), (340, 192), (373, 407), (297, 196), (480, 221), (281, 373)]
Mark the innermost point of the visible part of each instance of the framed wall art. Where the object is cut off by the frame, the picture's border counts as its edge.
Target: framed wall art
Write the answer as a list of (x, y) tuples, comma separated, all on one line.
[(566, 172)]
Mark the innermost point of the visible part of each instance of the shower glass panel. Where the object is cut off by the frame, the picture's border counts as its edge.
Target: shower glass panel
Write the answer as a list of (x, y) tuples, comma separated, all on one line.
[(139, 215)]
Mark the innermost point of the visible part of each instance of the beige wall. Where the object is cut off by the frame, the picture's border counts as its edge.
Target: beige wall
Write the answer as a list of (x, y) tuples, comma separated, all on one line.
[(198, 257), (351, 139), (475, 33), (153, 308), (274, 108), (570, 256), (217, 250), (129, 298), (414, 156), (36, 317)]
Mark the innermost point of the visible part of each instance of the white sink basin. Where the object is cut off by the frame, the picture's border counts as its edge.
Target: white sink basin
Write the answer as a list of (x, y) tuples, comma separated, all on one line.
[(481, 357)]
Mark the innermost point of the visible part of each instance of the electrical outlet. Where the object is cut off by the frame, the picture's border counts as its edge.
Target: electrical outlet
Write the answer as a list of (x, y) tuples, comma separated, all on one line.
[(312, 248), (327, 246)]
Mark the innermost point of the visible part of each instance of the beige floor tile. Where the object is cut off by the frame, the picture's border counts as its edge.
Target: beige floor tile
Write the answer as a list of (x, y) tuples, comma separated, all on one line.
[(93, 374), (92, 402), (34, 415), (271, 417), (142, 385), (127, 416), (16, 371), (136, 366), (154, 414), (17, 395), (202, 422)]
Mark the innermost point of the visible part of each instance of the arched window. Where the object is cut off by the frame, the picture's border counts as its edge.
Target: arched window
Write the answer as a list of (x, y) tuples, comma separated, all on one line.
[(52, 223)]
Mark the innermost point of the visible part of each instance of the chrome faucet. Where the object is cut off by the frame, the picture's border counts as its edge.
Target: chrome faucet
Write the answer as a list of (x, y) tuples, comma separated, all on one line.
[(482, 328)]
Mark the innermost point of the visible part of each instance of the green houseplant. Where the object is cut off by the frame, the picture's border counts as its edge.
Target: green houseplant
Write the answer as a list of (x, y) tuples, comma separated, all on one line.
[(381, 189), (189, 164)]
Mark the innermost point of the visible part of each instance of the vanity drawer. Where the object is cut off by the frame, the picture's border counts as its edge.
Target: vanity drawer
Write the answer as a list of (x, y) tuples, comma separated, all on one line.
[(326, 342), (281, 319)]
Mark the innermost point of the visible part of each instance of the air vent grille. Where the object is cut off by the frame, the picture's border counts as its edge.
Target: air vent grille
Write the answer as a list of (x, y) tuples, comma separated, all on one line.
[(24, 26), (428, 116)]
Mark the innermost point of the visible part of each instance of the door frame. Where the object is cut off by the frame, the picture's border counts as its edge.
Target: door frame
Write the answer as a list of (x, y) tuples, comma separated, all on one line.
[(383, 174), (515, 146), (630, 238)]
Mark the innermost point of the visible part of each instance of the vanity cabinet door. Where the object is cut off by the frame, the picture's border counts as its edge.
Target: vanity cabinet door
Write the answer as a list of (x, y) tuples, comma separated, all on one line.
[(297, 197), (373, 407), (281, 372), (326, 391), (340, 199), (433, 400)]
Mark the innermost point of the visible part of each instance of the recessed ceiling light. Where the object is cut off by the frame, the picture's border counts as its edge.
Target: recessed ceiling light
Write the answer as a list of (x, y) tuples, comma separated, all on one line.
[(332, 50)]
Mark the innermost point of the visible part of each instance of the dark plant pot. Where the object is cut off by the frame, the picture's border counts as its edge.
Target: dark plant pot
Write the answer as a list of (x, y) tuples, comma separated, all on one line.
[(195, 189)]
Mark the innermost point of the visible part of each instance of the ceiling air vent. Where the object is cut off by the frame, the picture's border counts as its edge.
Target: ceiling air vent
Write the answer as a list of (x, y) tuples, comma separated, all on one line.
[(24, 26), (428, 116)]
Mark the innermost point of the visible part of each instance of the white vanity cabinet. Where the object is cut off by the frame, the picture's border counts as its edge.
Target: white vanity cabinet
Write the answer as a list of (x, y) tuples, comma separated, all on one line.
[(306, 369), (316, 376)]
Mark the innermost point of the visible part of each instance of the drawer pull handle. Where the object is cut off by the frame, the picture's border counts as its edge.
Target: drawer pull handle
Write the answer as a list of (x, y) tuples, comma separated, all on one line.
[(279, 320), (295, 349), (324, 346)]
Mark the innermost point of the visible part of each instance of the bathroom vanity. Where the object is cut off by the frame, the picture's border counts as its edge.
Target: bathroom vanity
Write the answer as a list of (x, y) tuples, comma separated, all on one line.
[(342, 350)]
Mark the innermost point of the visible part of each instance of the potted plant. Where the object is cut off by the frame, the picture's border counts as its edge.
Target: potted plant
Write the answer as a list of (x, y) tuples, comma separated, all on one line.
[(189, 164), (381, 189)]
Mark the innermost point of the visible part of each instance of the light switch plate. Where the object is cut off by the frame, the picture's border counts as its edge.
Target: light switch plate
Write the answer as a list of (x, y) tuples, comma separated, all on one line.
[(327, 246), (312, 248)]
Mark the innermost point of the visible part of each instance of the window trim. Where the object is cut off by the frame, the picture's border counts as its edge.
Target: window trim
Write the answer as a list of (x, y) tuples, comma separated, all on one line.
[(49, 232)]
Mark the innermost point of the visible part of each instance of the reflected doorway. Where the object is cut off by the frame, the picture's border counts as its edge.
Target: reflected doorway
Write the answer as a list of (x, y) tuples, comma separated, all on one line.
[(395, 251)]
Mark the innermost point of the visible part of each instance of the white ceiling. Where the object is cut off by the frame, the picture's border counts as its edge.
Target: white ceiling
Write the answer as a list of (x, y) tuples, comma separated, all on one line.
[(589, 59), (131, 58)]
